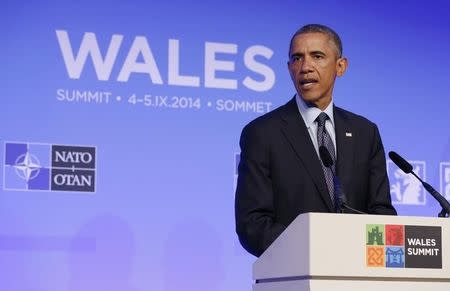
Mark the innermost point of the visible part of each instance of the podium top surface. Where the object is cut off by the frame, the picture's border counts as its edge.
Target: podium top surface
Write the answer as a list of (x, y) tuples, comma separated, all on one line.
[(365, 246)]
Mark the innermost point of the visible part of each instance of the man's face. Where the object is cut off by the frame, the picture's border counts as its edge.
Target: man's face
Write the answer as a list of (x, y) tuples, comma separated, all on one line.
[(313, 66)]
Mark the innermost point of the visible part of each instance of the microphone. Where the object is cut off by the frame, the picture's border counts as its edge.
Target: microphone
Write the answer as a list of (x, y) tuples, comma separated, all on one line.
[(339, 195), (401, 163), (408, 169)]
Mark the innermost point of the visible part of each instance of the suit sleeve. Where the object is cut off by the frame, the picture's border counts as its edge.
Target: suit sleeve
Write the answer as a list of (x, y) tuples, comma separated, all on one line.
[(379, 192), (256, 224)]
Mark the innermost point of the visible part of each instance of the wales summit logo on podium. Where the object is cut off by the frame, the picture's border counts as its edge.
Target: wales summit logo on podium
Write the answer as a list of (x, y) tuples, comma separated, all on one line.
[(403, 246), (49, 167)]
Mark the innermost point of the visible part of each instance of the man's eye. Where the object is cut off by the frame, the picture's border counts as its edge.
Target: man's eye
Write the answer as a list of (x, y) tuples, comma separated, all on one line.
[(295, 59), (318, 57)]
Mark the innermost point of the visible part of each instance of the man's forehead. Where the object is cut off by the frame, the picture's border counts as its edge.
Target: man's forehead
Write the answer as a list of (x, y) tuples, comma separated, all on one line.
[(311, 38), (312, 41)]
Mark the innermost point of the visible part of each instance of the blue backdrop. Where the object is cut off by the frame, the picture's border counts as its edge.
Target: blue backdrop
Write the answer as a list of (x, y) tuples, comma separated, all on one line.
[(121, 120)]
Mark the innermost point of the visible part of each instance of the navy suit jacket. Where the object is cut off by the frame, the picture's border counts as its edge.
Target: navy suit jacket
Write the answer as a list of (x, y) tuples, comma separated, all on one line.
[(280, 173)]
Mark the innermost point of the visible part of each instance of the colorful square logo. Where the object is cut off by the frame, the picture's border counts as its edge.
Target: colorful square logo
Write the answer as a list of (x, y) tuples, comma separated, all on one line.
[(395, 235), (395, 257), (375, 256), (375, 234), (403, 246)]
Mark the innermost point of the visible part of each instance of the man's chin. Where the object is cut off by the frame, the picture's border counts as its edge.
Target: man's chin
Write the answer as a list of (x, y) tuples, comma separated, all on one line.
[(314, 100), (308, 98)]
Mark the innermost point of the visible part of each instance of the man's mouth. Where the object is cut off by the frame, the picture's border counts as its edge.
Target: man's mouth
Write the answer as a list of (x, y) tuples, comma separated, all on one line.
[(306, 83)]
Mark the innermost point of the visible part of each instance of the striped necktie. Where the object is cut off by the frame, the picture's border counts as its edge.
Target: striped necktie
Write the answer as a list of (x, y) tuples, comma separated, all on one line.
[(324, 139)]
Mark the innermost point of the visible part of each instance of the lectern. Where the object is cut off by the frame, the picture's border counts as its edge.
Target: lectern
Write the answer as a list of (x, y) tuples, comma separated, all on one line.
[(350, 252)]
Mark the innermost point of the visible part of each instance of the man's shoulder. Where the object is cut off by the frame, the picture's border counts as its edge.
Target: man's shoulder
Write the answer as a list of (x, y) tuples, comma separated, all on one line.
[(267, 118), (353, 118), (271, 119)]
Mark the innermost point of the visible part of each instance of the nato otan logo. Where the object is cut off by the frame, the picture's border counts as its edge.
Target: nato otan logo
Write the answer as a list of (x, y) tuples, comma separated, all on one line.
[(405, 188), (49, 167)]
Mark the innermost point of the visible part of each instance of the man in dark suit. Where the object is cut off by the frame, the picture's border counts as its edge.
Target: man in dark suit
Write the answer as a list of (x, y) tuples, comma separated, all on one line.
[(280, 171)]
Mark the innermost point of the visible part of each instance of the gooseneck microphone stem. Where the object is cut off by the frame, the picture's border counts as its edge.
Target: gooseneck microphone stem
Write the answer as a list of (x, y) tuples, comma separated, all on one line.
[(417, 177), (345, 205), (339, 195), (442, 201), (443, 213), (407, 168), (328, 162)]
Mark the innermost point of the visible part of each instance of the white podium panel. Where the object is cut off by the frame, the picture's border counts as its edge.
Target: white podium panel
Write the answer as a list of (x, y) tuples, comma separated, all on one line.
[(340, 285), (321, 251)]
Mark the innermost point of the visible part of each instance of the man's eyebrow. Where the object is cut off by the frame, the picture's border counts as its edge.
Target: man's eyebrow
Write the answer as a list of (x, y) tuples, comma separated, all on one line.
[(296, 54), (317, 53)]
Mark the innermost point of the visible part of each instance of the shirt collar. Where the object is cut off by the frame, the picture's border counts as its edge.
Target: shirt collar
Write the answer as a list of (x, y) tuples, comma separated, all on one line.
[(309, 114)]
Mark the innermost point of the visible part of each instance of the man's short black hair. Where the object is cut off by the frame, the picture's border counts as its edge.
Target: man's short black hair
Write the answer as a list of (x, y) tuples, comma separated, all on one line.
[(311, 28)]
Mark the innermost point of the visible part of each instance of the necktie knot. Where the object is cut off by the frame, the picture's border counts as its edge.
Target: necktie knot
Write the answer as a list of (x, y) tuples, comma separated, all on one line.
[(321, 119)]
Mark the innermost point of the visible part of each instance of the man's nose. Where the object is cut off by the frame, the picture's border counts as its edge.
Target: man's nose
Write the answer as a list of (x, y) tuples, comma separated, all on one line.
[(306, 66)]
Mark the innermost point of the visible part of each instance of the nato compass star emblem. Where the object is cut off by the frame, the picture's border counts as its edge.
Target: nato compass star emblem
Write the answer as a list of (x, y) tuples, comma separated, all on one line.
[(27, 166)]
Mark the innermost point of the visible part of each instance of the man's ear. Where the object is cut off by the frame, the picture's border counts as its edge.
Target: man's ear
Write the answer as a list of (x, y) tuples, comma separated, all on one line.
[(341, 66)]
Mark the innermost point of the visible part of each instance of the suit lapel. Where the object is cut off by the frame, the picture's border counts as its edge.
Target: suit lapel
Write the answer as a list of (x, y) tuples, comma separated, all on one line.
[(344, 143), (298, 136)]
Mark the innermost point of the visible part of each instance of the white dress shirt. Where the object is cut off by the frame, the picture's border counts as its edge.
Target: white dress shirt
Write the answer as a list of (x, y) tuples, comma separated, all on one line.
[(309, 115)]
